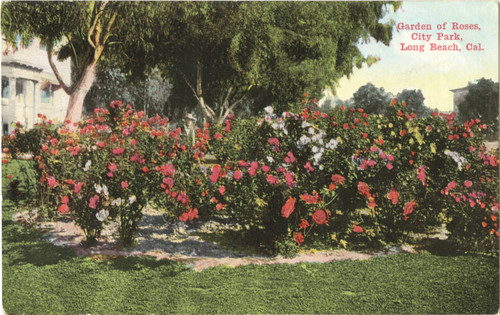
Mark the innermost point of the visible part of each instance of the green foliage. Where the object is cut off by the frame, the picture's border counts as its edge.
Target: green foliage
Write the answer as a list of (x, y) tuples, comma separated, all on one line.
[(414, 100), (371, 99), (39, 277), (481, 102), (348, 178), (218, 55), (403, 161), (268, 52), (149, 94)]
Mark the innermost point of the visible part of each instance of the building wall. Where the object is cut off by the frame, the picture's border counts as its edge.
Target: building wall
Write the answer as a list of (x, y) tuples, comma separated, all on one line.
[(458, 96), (27, 76)]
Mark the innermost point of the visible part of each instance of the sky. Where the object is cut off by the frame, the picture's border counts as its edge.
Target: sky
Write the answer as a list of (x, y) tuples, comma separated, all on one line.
[(433, 72)]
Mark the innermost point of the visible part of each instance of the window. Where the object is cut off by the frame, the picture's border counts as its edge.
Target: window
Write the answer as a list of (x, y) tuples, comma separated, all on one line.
[(19, 91), (5, 87), (5, 129), (46, 95), (19, 87)]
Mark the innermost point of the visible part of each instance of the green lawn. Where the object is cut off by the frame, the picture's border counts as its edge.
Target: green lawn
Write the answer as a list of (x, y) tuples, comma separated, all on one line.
[(41, 278)]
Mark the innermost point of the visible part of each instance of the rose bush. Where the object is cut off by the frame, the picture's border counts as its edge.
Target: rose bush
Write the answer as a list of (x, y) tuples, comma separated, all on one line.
[(336, 179), (393, 170)]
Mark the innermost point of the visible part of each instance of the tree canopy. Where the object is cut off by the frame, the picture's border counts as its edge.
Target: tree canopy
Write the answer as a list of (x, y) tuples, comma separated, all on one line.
[(371, 99), (480, 102), (415, 102), (89, 33), (222, 54), (218, 56)]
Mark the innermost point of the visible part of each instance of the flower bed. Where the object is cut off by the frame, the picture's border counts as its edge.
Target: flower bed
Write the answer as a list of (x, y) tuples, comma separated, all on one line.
[(342, 179)]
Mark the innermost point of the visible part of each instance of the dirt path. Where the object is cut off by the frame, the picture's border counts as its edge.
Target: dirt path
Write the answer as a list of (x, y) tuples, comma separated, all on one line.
[(179, 242), (491, 145)]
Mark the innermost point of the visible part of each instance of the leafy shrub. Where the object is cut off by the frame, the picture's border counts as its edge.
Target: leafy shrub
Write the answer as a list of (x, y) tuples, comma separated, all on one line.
[(371, 178), (335, 179)]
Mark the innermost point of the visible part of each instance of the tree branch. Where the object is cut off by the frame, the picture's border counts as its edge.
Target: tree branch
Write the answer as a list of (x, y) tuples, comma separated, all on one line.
[(188, 84), (94, 24), (198, 79), (108, 27), (54, 69), (231, 108), (208, 112), (225, 102)]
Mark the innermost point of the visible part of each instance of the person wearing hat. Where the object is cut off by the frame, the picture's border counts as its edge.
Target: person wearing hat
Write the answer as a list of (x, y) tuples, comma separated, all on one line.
[(189, 127)]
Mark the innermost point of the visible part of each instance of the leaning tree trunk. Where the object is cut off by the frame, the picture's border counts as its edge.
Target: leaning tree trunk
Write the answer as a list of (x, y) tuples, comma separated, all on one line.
[(97, 37), (77, 96)]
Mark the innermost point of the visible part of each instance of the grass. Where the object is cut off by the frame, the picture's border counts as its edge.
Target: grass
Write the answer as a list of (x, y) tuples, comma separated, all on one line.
[(41, 278)]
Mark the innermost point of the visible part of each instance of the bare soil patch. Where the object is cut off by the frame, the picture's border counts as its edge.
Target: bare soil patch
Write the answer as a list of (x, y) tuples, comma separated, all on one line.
[(491, 145)]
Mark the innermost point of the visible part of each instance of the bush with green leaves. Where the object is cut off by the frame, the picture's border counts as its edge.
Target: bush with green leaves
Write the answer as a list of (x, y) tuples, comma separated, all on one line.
[(344, 177), (336, 179)]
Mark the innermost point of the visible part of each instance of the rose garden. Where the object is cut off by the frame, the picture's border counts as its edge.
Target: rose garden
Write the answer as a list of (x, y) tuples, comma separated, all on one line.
[(265, 200), (298, 180)]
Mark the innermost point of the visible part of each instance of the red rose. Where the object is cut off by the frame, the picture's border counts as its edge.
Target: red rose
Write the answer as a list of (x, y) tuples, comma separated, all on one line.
[(243, 163), (63, 208), (93, 202), (193, 214), (319, 217), (290, 158), (273, 180), (363, 189), (303, 224), (51, 182), (358, 229), (238, 175), (167, 181), (299, 238), (338, 179), (311, 199), (78, 187), (215, 173), (222, 190), (409, 207), (112, 167), (289, 207), (184, 217), (253, 168), (393, 196)]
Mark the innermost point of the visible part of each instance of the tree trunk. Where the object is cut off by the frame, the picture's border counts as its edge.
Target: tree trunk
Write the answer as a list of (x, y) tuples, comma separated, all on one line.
[(77, 96), (208, 113)]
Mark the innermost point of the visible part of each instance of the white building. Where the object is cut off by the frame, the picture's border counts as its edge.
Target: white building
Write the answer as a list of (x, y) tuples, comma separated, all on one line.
[(458, 97), (29, 86)]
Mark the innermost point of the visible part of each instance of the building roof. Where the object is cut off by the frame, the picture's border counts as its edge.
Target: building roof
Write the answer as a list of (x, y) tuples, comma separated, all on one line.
[(460, 89), (20, 64)]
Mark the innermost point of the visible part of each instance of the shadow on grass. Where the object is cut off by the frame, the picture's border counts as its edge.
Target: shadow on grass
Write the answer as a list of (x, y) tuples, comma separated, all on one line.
[(188, 247), (166, 267), (234, 242), (23, 246), (449, 248), (439, 247)]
